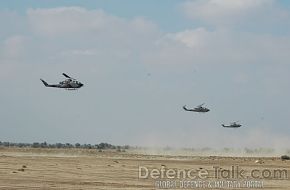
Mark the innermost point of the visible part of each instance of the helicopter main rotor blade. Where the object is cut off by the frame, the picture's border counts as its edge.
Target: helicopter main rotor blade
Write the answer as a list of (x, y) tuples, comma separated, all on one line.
[(67, 76), (200, 105)]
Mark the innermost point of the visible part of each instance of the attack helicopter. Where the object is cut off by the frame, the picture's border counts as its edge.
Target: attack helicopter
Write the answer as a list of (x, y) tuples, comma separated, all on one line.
[(232, 125), (199, 109), (68, 84)]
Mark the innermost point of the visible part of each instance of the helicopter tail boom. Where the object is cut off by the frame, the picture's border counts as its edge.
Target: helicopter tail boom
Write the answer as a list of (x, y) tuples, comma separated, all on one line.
[(49, 85)]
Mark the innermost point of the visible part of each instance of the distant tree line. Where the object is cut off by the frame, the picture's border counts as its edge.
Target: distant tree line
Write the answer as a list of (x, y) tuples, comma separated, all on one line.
[(101, 146), (107, 146)]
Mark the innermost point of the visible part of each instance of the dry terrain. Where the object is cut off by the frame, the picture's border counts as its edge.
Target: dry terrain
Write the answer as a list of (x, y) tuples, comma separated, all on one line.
[(89, 169)]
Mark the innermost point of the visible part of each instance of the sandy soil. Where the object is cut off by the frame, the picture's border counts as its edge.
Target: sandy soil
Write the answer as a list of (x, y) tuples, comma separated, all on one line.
[(78, 169)]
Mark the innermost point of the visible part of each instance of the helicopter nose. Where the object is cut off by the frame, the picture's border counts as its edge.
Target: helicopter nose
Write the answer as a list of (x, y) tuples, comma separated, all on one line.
[(81, 84)]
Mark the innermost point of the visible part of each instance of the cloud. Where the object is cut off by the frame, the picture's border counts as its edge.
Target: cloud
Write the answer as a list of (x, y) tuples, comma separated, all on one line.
[(212, 9), (72, 21), (13, 48), (76, 31), (225, 12), (192, 38), (67, 20), (12, 24), (227, 46)]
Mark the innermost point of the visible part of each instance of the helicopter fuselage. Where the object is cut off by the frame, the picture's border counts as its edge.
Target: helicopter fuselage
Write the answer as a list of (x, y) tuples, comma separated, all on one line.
[(232, 126)]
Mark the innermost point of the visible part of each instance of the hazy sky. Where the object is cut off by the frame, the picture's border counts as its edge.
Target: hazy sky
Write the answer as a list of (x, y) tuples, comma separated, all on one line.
[(141, 61)]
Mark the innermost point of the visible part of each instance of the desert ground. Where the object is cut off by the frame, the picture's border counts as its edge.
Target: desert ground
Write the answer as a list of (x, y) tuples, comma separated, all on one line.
[(28, 168)]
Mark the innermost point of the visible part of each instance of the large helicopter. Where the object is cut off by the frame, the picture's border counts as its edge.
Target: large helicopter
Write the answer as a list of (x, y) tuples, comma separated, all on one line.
[(69, 84), (197, 109), (232, 125)]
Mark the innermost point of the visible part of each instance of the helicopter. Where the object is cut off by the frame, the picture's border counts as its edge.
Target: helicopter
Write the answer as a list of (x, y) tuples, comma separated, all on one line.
[(68, 84), (232, 125), (197, 109)]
